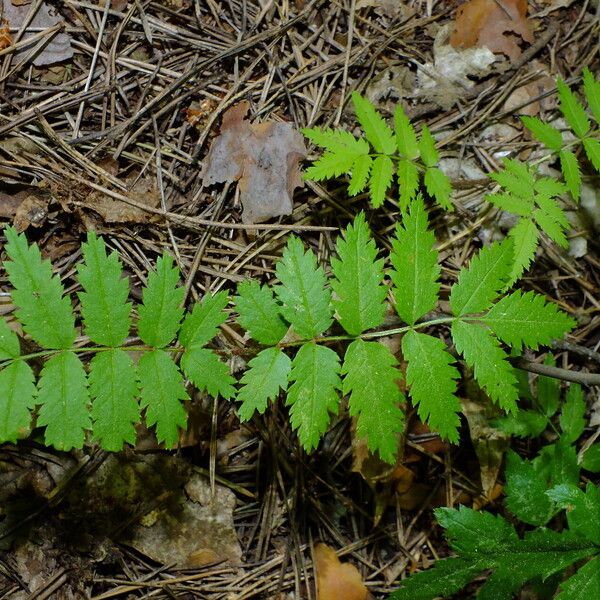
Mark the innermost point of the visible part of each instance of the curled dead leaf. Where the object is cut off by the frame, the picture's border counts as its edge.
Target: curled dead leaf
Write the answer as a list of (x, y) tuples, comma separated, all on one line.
[(336, 580), (263, 158), (495, 24)]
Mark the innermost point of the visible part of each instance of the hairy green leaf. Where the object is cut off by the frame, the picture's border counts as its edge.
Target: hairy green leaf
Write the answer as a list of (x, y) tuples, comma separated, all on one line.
[(572, 110), (114, 391), (515, 178), (525, 236), (489, 362), (204, 369), (161, 311), (555, 231), (432, 381), (439, 187), (545, 133), (202, 324), (591, 459), (406, 138), (259, 313), (337, 141), (583, 509), (371, 378), (312, 395), (63, 394), (570, 170), (329, 165), (162, 389), (513, 204), (481, 282), (524, 423), (9, 342), (427, 148), (382, 174), (104, 305), (306, 303), (415, 270), (585, 584), (408, 181), (46, 315), (268, 372), (376, 129), (527, 320), (359, 293), (17, 398), (361, 169), (592, 149), (591, 89)]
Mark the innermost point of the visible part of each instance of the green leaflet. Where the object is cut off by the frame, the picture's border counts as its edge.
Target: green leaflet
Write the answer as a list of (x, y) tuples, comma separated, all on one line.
[(268, 373), (591, 459), (361, 169), (114, 390), (337, 141), (434, 396), (489, 362), (17, 398), (312, 395), (371, 378), (104, 305), (64, 397), (359, 293), (204, 369), (570, 169), (524, 236), (382, 173), (486, 275), (527, 320), (592, 149), (573, 110), (548, 388), (46, 315), (259, 312), (202, 324), (408, 180), (306, 304), (415, 270), (406, 138), (585, 584), (582, 509), (591, 88), (9, 342), (329, 165), (427, 148), (161, 389), (161, 311), (548, 135), (380, 136), (438, 185)]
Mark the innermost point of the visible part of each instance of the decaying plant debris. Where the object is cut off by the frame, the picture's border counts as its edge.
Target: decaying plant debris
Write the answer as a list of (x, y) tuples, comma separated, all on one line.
[(103, 140)]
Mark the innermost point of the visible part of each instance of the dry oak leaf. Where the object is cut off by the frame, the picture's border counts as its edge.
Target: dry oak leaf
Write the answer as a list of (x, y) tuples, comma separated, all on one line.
[(336, 580), (264, 158), (495, 24)]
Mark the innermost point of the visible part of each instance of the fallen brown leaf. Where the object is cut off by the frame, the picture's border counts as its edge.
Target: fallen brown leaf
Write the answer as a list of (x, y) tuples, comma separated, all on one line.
[(5, 37), (493, 24), (336, 580), (263, 157)]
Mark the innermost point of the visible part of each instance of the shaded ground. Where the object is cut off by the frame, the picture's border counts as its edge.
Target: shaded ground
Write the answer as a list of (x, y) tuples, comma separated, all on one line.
[(105, 141)]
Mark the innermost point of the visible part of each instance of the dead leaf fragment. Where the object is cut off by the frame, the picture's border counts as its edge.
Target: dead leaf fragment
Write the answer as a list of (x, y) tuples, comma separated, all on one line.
[(493, 24), (263, 157), (57, 49), (336, 580), (5, 37)]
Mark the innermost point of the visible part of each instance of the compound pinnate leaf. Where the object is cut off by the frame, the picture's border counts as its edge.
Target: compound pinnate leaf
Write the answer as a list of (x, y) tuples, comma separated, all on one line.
[(592, 149), (204, 369), (337, 141), (46, 315), (526, 491), (516, 178), (306, 303), (427, 148), (9, 342), (432, 381), (481, 282), (382, 173), (415, 270), (525, 236), (376, 129), (408, 181), (585, 584), (201, 325), (439, 187), (527, 320), (114, 391), (259, 313), (268, 373), (359, 293), (313, 393), (570, 170), (371, 378), (17, 398), (104, 305), (161, 390), (63, 394), (489, 362), (548, 135), (406, 138), (361, 169), (573, 110), (161, 311), (591, 89)]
